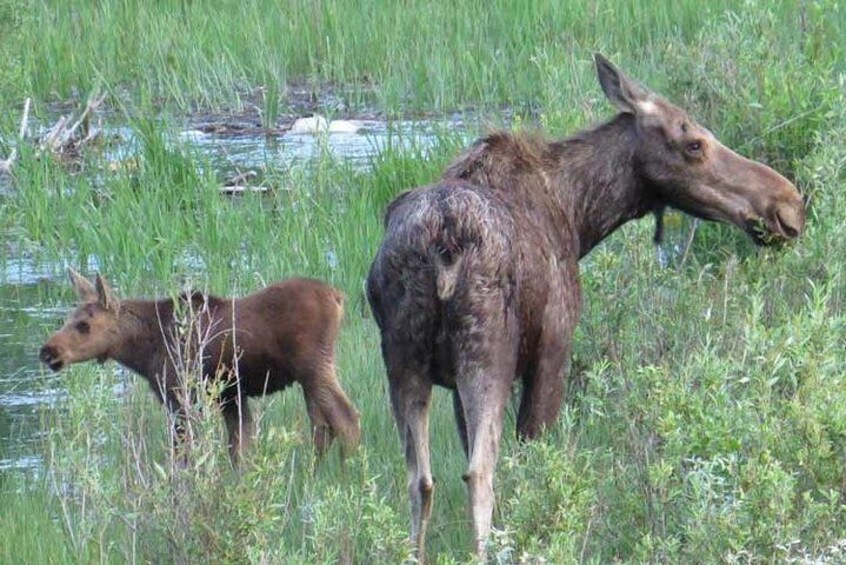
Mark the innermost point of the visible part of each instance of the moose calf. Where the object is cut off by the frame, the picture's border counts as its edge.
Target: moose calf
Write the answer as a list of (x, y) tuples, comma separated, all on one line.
[(258, 344)]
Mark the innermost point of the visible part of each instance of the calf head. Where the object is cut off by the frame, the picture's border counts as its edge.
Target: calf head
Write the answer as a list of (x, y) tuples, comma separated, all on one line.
[(688, 168), (91, 331)]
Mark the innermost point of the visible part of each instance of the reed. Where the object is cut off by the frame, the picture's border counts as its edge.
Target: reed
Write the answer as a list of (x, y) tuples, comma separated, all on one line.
[(423, 55)]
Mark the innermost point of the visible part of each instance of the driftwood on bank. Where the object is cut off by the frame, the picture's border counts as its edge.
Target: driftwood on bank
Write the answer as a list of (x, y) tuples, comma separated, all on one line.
[(6, 164), (64, 139)]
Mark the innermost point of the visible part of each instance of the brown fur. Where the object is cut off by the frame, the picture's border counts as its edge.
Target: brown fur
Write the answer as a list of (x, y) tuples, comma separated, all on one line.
[(476, 283), (260, 343)]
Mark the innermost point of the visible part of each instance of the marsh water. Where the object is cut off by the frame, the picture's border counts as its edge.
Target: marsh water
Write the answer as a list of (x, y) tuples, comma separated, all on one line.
[(33, 297)]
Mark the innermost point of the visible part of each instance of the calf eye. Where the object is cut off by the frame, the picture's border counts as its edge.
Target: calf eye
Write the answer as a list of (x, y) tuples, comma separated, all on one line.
[(83, 327)]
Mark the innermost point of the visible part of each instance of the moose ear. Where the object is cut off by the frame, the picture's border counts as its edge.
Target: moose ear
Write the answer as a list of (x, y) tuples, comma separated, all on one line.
[(106, 296), (627, 95), (83, 287)]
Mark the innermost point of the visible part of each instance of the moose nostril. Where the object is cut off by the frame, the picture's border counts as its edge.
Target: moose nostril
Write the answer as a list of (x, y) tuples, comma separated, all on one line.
[(48, 353), (790, 222), (51, 357)]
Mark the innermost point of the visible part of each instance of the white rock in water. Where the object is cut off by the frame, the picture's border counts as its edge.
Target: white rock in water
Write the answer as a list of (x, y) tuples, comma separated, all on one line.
[(314, 124), (319, 124), (344, 126), (192, 134)]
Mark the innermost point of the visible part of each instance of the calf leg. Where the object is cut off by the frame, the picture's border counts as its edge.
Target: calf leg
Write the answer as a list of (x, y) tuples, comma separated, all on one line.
[(239, 426), (331, 408), (321, 432), (182, 436)]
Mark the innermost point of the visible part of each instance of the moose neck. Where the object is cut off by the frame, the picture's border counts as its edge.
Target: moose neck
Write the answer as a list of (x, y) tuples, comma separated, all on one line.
[(598, 180), (143, 327)]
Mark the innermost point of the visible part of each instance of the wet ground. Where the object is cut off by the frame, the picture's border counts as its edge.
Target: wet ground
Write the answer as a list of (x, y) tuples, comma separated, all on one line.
[(239, 149)]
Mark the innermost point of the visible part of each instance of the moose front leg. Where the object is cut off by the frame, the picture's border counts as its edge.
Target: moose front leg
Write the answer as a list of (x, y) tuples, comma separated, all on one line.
[(182, 434), (543, 385), (239, 426), (543, 390)]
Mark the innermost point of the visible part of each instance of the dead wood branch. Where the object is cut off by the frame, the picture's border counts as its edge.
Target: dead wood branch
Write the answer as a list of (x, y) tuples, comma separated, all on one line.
[(6, 164), (63, 139)]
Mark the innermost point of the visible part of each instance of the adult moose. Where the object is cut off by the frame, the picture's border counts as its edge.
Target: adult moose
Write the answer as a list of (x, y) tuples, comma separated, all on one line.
[(259, 344), (476, 283)]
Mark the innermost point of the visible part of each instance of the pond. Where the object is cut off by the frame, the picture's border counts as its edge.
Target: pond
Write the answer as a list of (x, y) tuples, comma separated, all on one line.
[(33, 293), (25, 388)]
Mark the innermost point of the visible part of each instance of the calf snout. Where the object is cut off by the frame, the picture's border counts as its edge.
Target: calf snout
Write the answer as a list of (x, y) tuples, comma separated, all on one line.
[(52, 357)]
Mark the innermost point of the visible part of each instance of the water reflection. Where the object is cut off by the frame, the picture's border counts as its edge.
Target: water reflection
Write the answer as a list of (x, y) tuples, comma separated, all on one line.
[(239, 148), (25, 389)]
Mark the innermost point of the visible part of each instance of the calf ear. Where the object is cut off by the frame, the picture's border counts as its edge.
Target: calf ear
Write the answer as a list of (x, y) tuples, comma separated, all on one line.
[(106, 296), (83, 287), (627, 95)]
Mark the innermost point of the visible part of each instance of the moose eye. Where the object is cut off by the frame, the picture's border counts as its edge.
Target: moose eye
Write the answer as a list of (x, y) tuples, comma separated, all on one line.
[(83, 327), (694, 147)]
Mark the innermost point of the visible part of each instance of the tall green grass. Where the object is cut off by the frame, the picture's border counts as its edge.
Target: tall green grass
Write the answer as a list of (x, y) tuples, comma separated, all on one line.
[(398, 56), (705, 419)]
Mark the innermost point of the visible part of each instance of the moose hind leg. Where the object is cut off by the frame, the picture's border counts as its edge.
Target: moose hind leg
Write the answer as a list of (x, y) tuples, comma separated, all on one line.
[(321, 432), (484, 386), (330, 405), (411, 394), (460, 422)]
